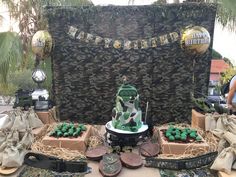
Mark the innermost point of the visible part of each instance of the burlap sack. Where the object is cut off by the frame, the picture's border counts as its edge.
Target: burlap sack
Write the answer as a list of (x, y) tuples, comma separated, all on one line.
[(210, 122), (8, 123), (224, 161), (13, 157), (2, 136), (13, 136), (34, 121), (231, 138), (222, 145), (217, 132), (27, 139), (220, 123), (234, 165), (232, 127), (21, 123)]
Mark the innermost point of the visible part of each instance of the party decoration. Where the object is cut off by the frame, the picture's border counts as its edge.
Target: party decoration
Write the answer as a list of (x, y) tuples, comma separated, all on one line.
[(42, 43), (195, 40), (117, 44), (38, 76)]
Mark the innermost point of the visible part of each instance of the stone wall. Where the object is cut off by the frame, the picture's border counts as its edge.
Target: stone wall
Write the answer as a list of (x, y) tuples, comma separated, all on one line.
[(87, 75)]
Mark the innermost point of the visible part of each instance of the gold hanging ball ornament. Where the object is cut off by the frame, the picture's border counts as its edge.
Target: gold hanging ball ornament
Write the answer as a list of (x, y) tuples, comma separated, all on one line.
[(195, 40), (42, 43)]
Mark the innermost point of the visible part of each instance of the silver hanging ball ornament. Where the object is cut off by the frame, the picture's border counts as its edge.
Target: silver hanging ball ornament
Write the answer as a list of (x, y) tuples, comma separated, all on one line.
[(39, 76)]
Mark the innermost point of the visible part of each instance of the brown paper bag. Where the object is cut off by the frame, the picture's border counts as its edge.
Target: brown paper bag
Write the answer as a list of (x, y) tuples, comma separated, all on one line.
[(210, 122), (224, 161), (13, 157), (34, 121)]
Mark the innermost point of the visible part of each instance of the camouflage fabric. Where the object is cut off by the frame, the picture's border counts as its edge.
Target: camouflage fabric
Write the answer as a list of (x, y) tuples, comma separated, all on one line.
[(86, 76), (37, 172), (199, 172)]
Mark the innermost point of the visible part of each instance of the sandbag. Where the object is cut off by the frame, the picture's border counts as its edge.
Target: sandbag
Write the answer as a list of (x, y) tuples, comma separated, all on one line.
[(224, 161), (210, 122), (13, 157), (34, 121)]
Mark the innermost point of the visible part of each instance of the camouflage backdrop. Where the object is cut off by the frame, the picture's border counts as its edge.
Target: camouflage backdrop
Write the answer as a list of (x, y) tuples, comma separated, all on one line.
[(86, 75)]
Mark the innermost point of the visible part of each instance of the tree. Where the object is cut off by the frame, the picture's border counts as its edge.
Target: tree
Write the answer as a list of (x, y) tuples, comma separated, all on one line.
[(11, 54), (29, 14), (227, 75), (216, 55), (228, 61)]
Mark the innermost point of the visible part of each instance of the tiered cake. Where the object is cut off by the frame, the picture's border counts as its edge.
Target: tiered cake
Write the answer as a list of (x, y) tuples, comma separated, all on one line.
[(127, 115)]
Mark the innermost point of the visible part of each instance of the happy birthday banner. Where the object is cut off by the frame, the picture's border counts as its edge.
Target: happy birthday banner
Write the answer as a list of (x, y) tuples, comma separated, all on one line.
[(126, 44)]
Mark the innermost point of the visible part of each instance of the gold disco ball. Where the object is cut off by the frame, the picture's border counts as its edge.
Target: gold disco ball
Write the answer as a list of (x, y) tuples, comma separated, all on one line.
[(195, 40), (42, 43)]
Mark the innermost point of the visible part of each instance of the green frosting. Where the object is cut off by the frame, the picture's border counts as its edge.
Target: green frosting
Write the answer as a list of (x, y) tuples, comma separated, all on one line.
[(127, 115)]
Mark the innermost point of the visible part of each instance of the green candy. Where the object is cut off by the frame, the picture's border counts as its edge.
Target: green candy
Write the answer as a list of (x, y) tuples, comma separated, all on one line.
[(59, 134), (171, 138), (60, 126), (71, 131), (183, 138), (198, 138), (177, 137), (83, 127), (66, 134), (192, 135), (168, 134)]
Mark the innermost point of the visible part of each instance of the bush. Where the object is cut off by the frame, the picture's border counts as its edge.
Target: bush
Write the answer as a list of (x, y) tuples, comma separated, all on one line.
[(9, 91), (22, 79)]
